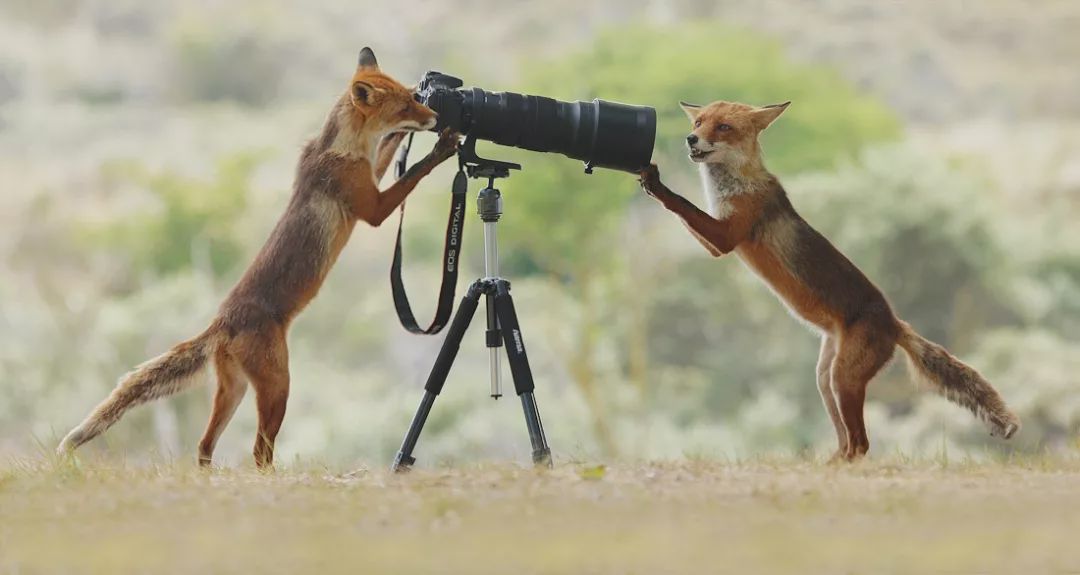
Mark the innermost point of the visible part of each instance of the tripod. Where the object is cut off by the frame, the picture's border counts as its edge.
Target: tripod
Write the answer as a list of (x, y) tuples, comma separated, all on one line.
[(502, 324)]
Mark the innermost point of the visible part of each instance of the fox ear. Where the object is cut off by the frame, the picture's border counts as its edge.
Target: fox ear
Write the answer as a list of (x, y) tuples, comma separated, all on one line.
[(367, 60), (692, 110), (765, 115), (362, 92)]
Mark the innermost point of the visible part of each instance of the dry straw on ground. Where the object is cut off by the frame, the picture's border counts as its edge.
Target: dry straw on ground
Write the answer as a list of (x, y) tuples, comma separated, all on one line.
[(681, 517)]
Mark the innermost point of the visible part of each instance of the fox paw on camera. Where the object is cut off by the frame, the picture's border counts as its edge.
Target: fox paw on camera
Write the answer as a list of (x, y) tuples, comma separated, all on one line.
[(446, 146), (650, 179)]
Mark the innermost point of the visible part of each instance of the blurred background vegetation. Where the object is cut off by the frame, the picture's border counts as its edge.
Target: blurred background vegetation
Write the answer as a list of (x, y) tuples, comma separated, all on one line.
[(147, 148)]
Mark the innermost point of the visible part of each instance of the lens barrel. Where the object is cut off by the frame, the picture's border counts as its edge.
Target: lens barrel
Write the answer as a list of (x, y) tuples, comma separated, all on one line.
[(600, 133)]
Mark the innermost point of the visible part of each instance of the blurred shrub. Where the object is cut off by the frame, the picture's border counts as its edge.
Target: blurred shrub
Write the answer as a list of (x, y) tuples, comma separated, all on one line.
[(575, 214), (1038, 371), (51, 13), (923, 229), (1050, 290), (189, 223), (10, 82), (710, 61), (213, 64)]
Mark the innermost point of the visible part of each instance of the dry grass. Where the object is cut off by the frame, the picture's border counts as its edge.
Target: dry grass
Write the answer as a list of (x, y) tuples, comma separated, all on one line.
[(760, 517)]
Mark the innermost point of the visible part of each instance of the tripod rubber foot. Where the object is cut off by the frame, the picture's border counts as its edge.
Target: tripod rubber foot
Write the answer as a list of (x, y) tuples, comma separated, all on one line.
[(402, 463), (542, 458)]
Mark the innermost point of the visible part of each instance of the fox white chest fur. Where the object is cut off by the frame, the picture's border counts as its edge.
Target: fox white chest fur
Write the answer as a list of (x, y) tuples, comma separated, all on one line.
[(719, 187)]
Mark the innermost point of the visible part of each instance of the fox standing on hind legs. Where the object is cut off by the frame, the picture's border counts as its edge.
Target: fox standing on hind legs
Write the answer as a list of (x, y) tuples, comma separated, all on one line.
[(336, 185), (750, 214)]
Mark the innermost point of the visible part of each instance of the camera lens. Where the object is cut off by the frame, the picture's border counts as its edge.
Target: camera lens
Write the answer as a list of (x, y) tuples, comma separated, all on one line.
[(600, 133)]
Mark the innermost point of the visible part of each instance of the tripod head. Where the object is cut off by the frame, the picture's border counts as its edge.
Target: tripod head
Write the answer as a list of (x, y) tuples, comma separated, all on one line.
[(477, 167)]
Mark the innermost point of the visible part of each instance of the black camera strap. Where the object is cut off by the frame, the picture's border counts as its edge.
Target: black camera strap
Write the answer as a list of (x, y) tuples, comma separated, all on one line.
[(455, 228)]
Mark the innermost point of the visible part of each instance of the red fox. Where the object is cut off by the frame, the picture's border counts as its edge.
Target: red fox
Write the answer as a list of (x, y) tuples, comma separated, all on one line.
[(336, 184), (750, 214)]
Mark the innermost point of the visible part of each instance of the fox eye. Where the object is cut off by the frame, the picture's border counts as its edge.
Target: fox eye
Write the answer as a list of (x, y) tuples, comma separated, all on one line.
[(723, 127), (697, 123)]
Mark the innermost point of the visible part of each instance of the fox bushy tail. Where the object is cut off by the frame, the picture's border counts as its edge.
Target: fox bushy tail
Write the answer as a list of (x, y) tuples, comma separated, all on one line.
[(958, 382), (171, 372)]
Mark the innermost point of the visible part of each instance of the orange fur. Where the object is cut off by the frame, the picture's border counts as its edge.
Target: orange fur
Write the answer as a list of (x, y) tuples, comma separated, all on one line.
[(336, 186), (752, 217)]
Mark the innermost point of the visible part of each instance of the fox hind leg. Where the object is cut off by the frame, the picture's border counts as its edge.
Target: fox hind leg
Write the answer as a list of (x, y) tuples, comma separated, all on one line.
[(271, 399), (861, 352), (824, 367), (230, 391), (263, 356)]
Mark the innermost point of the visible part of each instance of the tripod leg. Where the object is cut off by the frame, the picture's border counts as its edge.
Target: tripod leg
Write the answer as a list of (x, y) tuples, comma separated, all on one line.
[(493, 340), (519, 368), (438, 374)]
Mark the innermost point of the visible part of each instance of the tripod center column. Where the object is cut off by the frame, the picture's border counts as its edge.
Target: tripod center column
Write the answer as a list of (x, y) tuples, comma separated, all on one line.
[(489, 208)]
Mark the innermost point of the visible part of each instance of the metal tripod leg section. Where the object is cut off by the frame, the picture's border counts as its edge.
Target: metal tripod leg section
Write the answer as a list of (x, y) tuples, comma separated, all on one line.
[(438, 374), (520, 370)]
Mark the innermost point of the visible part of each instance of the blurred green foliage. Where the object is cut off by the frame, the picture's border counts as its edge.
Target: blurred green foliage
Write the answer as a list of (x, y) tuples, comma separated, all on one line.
[(922, 228), (215, 64), (575, 214), (190, 222), (641, 344), (708, 61)]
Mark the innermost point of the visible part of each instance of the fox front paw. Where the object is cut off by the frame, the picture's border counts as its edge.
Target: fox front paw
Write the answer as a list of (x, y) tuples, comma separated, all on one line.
[(650, 180), (446, 146)]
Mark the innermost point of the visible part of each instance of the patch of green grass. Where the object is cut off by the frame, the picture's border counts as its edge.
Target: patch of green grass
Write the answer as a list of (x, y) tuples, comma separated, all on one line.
[(771, 515)]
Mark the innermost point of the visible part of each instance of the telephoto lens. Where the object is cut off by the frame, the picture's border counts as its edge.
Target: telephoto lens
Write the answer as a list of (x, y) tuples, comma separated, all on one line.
[(600, 133)]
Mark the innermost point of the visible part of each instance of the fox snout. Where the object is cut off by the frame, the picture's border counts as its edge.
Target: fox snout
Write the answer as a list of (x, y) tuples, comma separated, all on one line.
[(423, 118), (420, 125), (698, 149)]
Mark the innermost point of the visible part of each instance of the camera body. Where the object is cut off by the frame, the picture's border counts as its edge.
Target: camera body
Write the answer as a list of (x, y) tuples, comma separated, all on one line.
[(442, 93), (600, 133)]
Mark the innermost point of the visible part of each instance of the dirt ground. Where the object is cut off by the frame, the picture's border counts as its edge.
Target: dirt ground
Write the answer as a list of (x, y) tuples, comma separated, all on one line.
[(881, 516)]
